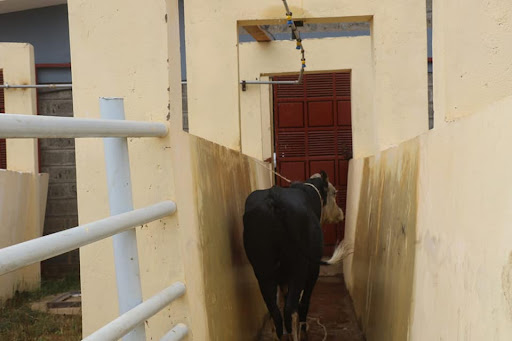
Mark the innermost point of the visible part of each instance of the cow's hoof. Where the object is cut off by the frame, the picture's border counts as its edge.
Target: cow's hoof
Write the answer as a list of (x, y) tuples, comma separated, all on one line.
[(285, 337)]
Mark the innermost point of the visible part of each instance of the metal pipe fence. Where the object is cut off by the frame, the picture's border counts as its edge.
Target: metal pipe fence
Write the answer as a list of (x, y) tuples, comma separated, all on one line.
[(36, 250), (115, 131), (31, 126)]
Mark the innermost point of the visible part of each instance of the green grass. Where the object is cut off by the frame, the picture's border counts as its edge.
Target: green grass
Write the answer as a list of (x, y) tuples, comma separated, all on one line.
[(19, 323)]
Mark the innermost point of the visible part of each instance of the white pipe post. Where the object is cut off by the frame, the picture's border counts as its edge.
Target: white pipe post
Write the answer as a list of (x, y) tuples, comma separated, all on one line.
[(126, 258)]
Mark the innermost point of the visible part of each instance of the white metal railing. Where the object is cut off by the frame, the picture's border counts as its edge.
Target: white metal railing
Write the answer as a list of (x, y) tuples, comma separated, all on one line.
[(112, 127), (176, 333), (127, 322), (36, 250), (30, 126)]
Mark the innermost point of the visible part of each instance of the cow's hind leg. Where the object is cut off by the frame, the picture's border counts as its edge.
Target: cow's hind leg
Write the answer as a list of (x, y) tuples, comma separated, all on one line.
[(268, 288), (306, 298), (291, 316)]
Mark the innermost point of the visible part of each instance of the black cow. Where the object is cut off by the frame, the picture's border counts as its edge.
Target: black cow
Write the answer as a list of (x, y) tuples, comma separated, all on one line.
[(283, 240)]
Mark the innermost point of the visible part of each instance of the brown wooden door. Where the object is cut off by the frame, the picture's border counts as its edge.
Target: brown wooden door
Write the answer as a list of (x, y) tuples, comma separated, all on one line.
[(313, 132)]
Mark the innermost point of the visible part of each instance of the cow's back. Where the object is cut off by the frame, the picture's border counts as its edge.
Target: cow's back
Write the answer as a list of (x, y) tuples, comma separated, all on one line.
[(277, 226), (262, 231)]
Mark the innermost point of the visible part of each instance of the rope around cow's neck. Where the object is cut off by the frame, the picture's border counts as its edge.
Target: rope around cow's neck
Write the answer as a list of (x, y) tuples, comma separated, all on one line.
[(320, 197)]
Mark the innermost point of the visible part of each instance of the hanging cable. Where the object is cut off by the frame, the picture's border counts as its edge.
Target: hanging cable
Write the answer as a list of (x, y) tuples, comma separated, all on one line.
[(298, 39)]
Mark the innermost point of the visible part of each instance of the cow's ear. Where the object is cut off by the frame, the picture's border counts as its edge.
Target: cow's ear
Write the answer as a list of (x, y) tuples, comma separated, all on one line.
[(324, 176)]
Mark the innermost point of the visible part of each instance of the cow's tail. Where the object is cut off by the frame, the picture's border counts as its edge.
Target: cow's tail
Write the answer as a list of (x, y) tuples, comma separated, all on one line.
[(343, 250), (272, 201)]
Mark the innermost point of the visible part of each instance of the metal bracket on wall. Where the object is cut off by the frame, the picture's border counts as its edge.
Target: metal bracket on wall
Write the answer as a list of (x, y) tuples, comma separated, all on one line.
[(298, 81), (295, 35)]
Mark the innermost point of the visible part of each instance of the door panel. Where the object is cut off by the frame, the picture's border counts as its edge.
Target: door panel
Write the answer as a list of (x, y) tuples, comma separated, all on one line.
[(325, 165), (295, 170), (344, 113), (291, 115), (320, 114), (313, 132)]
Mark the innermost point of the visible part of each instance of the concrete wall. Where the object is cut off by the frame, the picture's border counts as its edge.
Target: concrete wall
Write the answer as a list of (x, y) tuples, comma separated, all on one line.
[(463, 258), (17, 62), (458, 189), (473, 68), (200, 245), (430, 224), (460, 195), (220, 180), (22, 189), (102, 36), (463, 269), (398, 55), (58, 160), (380, 277), (22, 204)]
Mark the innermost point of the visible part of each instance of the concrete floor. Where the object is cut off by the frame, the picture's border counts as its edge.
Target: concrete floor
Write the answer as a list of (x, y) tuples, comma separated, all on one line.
[(331, 305)]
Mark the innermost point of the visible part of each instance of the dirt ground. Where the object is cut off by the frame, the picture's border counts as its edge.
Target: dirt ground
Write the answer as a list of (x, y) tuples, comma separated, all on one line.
[(331, 306)]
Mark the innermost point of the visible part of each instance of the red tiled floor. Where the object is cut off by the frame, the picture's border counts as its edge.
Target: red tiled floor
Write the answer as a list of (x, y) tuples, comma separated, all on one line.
[(331, 305)]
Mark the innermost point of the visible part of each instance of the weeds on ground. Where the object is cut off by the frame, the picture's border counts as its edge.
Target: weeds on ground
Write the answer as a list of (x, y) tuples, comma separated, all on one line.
[(19, 323)]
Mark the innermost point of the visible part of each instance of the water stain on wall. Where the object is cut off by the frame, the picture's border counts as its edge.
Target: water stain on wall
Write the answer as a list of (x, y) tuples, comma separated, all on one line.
[(384, 252), (223, 179)]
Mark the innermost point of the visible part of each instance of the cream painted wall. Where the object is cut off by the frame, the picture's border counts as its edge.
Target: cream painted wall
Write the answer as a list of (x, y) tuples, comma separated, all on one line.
[(398, 63), (17, 62), (462, 283), (22, 207), (462, 271), (463, 276), (381, 225), (281, 57), (22, 195), (222, 181), (121, 48), (472, 56)]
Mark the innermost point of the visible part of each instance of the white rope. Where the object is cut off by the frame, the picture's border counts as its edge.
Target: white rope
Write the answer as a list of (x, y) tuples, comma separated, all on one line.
[(321, 325), (319, 196), (317, 319), (269, 168)]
